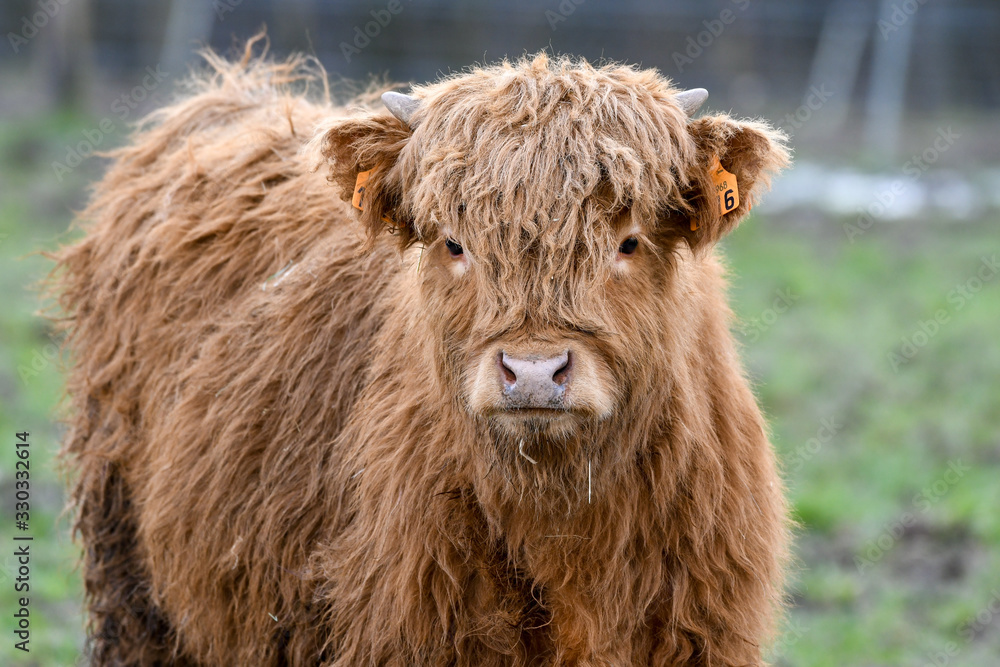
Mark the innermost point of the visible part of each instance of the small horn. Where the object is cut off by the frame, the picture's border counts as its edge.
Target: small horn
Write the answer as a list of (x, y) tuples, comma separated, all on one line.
[(691, 100), (402, 106)]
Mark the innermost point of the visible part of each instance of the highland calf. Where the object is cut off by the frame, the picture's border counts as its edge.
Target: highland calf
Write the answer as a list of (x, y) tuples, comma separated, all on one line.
[(513, 430)]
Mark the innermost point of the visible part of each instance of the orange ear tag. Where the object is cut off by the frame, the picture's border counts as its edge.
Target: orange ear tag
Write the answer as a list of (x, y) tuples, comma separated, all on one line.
[(726, 189), (359, 189), (358, 201)]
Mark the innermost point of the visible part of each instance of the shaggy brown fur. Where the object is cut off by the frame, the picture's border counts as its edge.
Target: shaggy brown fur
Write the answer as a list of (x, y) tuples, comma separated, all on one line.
[(286, 452)]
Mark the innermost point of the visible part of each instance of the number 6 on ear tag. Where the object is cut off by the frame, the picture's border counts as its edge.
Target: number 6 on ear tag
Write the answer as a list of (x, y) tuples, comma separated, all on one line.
[(359, 190), (358, 201), (725, 187)]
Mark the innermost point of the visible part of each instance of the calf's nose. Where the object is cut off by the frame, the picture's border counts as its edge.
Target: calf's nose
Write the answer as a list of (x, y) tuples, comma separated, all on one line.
[(535, 381)]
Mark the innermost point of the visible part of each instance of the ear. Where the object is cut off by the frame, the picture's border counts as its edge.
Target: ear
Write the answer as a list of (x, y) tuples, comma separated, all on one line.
[(369, 143), (751, 151)]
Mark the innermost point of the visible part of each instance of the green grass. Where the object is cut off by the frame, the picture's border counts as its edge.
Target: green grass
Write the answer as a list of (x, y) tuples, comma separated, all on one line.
[(859, 440), (35, 209), (896, 552)]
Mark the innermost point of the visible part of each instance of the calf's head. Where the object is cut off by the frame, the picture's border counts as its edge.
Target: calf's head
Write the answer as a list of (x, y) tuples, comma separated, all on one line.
[(557, 215)]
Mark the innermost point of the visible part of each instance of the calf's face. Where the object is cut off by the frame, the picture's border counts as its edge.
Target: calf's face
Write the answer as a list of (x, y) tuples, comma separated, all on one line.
[(556, 213), (544, 327)]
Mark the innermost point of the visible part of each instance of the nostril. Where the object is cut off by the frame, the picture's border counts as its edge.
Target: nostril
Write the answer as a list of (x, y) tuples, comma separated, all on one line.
[(534, 380), (509, 376), (561, 376)]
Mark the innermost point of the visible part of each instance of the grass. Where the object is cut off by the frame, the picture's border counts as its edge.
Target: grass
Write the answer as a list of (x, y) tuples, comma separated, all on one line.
[(891, 463)]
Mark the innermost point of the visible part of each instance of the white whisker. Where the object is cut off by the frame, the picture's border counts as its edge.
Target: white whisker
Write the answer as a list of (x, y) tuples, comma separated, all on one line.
[(589, 487), (520, 450)]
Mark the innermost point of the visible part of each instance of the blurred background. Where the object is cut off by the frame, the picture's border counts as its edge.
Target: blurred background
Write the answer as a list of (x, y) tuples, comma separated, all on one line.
[(866, 284)]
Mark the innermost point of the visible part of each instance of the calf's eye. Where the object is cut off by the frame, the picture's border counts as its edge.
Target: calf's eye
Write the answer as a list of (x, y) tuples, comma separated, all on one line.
[(628, 246), (454, 248)]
